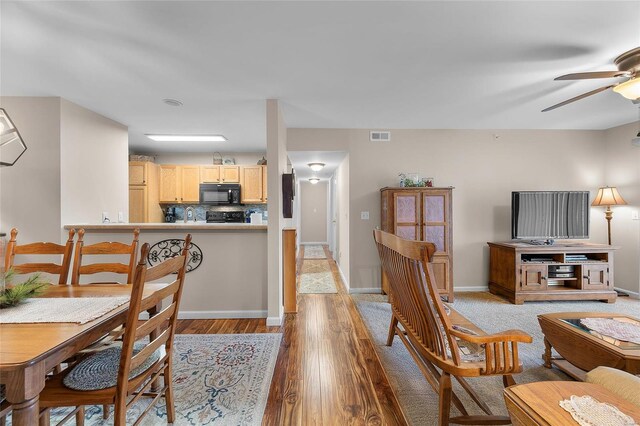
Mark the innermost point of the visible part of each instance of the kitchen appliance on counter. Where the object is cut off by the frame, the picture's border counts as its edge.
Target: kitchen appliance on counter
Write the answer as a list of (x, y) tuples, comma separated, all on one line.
[(234, 216), (218, 194), (170, 215)]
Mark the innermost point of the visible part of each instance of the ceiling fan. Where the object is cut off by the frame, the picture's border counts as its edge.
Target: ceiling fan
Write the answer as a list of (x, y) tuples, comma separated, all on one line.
[(628, 67)]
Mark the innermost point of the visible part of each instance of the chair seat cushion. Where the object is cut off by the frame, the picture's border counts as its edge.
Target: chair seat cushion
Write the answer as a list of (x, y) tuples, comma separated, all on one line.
[(624, 384), (100, 370)]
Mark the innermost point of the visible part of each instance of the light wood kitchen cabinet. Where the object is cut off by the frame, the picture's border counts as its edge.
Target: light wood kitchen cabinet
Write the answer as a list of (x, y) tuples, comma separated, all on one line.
[(423, 214), (179, 184), (251, 185), (190, 182), (138, 172), (144, 204), (170, 184), (219, 174)]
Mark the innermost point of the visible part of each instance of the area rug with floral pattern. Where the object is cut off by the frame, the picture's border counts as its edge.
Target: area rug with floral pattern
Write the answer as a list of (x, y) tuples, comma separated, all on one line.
[(219, 379)]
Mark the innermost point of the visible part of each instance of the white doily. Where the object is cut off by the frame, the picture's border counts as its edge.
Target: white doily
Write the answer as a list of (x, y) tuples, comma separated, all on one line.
[(621, 330), (588, 411)]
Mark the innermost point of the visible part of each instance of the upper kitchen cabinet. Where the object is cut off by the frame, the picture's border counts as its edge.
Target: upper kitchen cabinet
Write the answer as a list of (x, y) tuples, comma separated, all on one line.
[(179, 184), (138, 172), (219, 174), (252, 184), (190, 180), (143, 193)]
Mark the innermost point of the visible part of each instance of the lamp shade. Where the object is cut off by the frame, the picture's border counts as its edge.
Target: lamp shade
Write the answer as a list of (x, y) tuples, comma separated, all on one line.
[(608, 196), (630, 89)]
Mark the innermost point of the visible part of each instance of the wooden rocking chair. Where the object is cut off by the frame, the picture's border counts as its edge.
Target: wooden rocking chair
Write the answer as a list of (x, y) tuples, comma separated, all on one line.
[(442, 342)]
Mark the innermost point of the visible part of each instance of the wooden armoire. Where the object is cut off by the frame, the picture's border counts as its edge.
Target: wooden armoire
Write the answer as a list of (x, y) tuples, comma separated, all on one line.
[(423, 214)]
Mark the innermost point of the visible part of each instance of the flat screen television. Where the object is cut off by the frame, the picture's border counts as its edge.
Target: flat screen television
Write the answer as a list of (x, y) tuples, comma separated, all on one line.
[(548, 215)]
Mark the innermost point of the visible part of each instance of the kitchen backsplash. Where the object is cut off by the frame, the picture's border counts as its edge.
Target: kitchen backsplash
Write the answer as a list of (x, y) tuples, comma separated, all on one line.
[(201, 210)]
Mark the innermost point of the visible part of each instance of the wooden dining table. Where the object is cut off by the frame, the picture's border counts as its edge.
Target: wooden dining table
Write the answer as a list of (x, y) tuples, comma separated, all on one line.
[(29, 351)]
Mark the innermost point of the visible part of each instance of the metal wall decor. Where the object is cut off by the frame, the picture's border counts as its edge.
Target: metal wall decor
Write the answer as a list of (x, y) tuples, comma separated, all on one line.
[(166, 249), (12, 145)]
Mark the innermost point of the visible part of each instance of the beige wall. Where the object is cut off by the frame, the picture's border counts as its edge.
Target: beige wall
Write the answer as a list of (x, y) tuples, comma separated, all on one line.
[(483, 168), (313, 212), (622, 169), (30, 190), (94, 166), (244, 158)]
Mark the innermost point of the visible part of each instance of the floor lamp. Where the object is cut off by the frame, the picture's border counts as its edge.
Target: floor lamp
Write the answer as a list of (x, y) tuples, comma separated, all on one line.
[(608, 196)]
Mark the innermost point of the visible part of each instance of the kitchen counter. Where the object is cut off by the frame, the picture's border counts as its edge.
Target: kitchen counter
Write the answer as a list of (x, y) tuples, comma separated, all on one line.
[(190, 226)]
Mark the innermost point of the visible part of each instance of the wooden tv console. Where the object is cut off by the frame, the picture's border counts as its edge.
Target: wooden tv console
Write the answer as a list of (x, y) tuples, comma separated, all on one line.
[(563, 271)]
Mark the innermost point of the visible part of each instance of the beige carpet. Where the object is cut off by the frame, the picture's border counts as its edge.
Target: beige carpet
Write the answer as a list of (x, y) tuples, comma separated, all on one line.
[(492, 314)]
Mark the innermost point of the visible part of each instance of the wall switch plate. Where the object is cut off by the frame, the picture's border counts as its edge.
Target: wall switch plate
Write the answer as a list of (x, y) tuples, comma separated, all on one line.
[(105, 217), (634, 215), (364, 215), (120, 217)]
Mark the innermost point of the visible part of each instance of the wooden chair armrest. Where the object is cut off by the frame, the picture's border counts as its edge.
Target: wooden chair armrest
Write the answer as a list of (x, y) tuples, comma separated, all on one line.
[(504, 336)]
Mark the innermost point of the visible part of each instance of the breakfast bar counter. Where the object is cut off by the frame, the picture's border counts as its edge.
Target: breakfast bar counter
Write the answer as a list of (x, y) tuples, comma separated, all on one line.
[(230, 279), (186, 226)]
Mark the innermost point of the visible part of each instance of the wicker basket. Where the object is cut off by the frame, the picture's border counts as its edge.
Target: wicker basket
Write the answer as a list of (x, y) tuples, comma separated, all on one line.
[(217, 158), (136, 157)]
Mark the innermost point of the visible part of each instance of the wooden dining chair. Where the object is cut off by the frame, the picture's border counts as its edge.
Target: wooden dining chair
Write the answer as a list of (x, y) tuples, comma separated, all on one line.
[(37, 249), (104, 248), (442, 342), (122, 374)]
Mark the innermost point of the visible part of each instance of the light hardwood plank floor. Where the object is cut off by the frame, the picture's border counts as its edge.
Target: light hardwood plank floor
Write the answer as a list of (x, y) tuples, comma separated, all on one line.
[(327, 372)]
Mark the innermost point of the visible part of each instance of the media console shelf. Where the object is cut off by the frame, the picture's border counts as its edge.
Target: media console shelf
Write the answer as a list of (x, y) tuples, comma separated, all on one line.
[(564, 271)]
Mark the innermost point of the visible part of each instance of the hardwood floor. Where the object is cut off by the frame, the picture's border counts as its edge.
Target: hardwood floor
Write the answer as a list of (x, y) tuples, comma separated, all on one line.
[(327, 372)]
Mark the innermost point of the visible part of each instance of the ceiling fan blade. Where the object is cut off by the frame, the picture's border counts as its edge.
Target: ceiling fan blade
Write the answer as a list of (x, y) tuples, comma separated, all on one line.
[(594, 74), (577, 98)]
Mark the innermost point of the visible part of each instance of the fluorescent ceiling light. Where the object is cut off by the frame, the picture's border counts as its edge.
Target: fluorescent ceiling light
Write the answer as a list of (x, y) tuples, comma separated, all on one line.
[(630, 89), (187, 138), (316, 167), (314, 180)]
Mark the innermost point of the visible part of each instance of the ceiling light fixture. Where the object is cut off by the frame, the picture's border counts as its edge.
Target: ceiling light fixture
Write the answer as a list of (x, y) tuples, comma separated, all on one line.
[(172, 102), (314, 180), (187, 138), (316, 167), (630, 89)]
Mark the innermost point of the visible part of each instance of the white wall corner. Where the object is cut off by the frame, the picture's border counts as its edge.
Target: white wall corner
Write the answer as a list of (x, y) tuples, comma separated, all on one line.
[(275, 321)]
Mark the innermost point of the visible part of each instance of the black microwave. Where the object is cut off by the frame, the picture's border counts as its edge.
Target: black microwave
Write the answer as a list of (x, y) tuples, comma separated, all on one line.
[(219, 193)]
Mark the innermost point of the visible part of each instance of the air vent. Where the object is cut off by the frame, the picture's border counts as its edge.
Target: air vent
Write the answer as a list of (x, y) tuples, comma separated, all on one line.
[(377, 136)]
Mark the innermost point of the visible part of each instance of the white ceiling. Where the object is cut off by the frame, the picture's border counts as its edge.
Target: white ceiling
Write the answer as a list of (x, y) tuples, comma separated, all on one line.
[(382, 65)]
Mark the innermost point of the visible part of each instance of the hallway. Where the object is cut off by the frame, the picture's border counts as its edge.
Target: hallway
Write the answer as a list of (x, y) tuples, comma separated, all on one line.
[(327, 370)]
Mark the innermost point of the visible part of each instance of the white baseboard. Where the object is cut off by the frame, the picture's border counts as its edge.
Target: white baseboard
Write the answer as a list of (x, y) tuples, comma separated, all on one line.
[(343, 278), (221, 314), (629, 292), (470, 288), (314, 243), (275, 321), (376, 290)]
